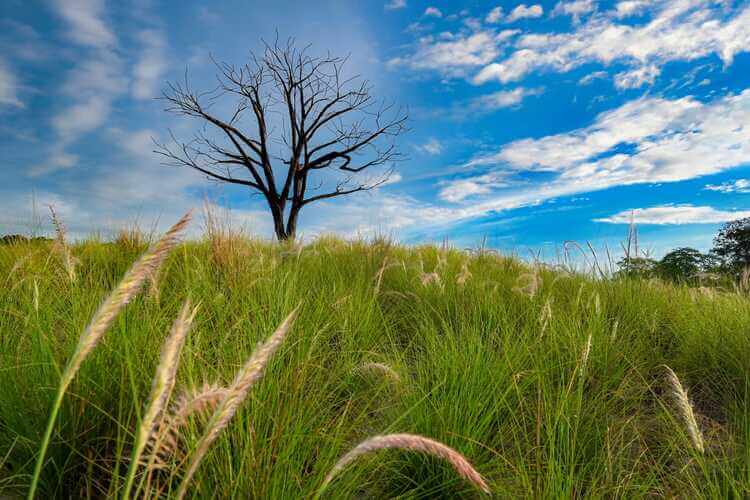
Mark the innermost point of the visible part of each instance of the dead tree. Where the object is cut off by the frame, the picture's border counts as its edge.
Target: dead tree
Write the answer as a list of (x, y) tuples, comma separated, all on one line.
[(297, 131)]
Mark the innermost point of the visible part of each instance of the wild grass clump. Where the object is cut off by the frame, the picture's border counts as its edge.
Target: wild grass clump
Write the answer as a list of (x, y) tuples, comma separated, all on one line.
[(549, 382)]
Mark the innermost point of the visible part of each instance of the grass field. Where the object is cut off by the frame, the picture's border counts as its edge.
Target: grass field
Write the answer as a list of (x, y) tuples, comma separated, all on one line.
[(551, 384)]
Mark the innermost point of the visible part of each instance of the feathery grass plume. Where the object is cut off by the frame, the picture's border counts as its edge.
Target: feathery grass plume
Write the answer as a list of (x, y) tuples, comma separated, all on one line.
[(382, 368), (379, 274), (164, 443), (62, 248), (36, 296), (585, 355), (430, 279), (545, 316), (250, 373), (162, 387), (685, 409), (154, 290), (578, 295), (532, 283), (128, 287), (410, 442), (464, 275), (597, 304), (615, 326)]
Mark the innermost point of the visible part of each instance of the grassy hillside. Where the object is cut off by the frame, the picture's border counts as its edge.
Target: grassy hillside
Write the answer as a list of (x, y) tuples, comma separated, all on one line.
[(550, 384)]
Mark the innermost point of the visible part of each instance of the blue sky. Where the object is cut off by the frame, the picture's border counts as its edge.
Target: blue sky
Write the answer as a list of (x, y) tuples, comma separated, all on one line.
[(531, 123)]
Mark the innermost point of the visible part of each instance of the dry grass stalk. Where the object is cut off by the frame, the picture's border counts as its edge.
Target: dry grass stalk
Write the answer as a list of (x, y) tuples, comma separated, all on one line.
[(411, 442), (128, 288), (432, 278), (545, 317), (597, 304), (615, 327), (250, 373), (685, 409), (464, 275), (163, 384), (381, 368), (164, 442), (153, 285), (62, 248), (528, 283), (120, 296), (585, 355), (36, 296), (379, 275)]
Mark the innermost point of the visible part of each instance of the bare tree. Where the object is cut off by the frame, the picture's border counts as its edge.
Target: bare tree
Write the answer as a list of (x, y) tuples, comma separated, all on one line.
[(291, 116)]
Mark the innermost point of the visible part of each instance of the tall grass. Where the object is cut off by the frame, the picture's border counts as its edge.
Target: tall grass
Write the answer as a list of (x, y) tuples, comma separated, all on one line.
[(549, 384)]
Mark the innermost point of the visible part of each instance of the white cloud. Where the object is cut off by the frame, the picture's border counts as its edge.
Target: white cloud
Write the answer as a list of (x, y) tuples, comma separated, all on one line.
[(431, 147), (630, 7), (8, 87), (433, 12), (458, 190), (675, 214), (596, 75), (85, 20), (524, 12), (456, 55), (635, 78), (394, 178), (495, 15), (649, 140), (90, 86), (684, 30), (503, 98), (738, 186), (151, 65), (575, 8), (395, 5)]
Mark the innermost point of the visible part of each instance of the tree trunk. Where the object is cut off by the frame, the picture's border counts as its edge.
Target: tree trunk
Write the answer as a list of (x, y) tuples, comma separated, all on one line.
[(278, 222), (291, 226)]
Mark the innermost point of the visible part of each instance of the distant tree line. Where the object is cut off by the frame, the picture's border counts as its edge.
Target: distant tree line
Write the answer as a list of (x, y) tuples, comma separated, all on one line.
[(729, 257)]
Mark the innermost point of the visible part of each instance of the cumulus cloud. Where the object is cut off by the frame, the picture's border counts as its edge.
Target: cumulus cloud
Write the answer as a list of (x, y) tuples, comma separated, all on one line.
[(737, 186), (596, 75), (395, 5), (8, 87), (150, 66), (460, 189), (631, 7), (575, 8), (678, 31), (675, 214), (433, 12), (638, 77), (90, 87), (649, 140), (86, 22), (524, 12), (431, 147), (503, 98), (495, 15), (455, 55)]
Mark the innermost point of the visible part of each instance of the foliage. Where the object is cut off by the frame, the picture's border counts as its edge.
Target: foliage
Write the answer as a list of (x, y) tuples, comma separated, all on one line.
[(637, 267), (559, 393), (684, 264), (733, 244)]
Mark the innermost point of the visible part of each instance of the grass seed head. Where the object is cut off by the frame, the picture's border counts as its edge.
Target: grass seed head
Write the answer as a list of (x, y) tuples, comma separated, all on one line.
[(411, 442), (685, 409), (250, 373)]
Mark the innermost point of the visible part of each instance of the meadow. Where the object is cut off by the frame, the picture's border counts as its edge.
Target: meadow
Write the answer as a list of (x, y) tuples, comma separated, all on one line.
[(549, 383)]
